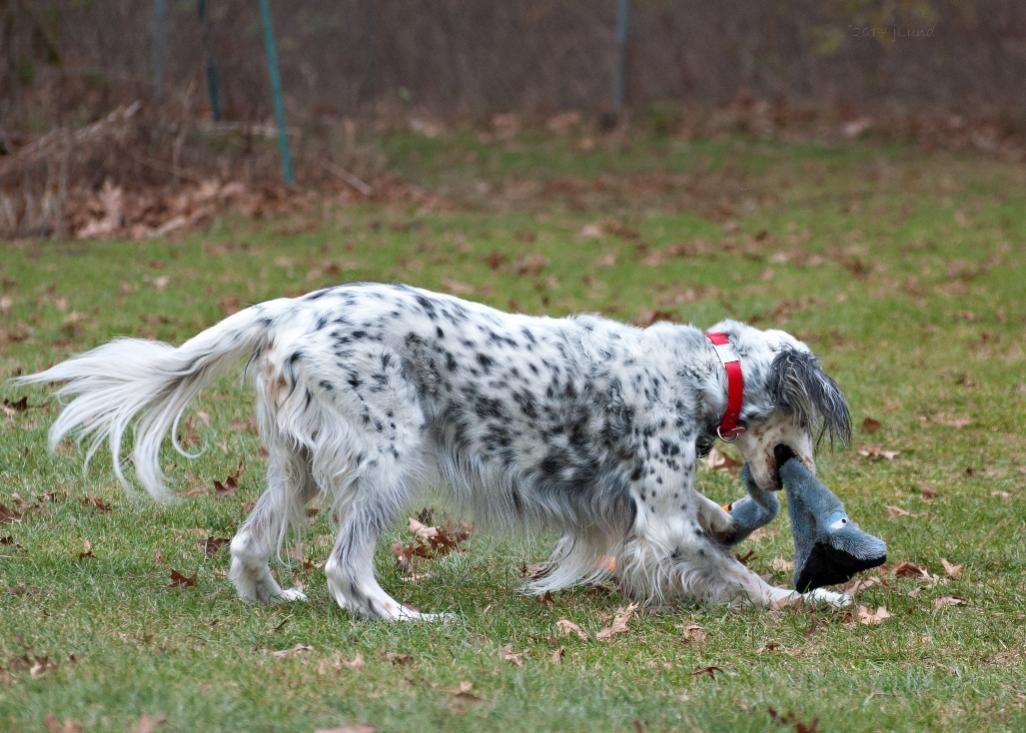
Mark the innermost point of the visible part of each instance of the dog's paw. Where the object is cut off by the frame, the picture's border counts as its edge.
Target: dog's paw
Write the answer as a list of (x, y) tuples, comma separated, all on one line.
[(827, 597), (289, 595)]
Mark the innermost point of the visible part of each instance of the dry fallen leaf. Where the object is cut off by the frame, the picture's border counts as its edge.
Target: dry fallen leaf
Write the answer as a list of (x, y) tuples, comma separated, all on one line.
[(711, 670), (87, 550), (211, 545), (945, 601), (694, 633), (619, 625), (950, 569), (926, 491), (397, 658), (877, 453), (178, 579), (147, 723), (557, 656), (348, 728), (893, 512), (870, 425), (779, 563), (567, 627), (855, 585), (463, 696), (292, 651), (230, 485), (96, 502), (717, 460), (514, 658), (909, 569), (53, 725), (872, 618)]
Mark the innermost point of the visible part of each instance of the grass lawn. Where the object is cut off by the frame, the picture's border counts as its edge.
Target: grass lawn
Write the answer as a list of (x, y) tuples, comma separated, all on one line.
[(905, 271)]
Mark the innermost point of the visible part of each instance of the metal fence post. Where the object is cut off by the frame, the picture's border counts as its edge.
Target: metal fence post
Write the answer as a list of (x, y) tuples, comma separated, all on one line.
[(159, 48), (279, 108), (623, 15)]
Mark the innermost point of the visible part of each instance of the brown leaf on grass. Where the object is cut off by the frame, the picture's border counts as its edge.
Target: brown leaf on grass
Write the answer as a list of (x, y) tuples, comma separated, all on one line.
[(694, 633), (650, 316), (911, 570), (557, 656), (619, 625), (12, 407), (592, 231), (292, 651), (177, 579), (230, 484), (784, 566), (464, 696), (952, 421), (878, 453), (710, 670), (720, 461), (211, 545), (926, 491), (870, 425), (855, 585), (348, 728), (743, 559), (1002, 495), (893, 512), (87, 550), (789, 718), (545, 599), (945, 601), (457, 287), (96, 502), (565, 627), (430, 541), (531, 264), (769, 646), (147, 723), (514, 658), (397, 658), (8, 515), (873, 618), (54, 725), (951, 570), (354, 663)]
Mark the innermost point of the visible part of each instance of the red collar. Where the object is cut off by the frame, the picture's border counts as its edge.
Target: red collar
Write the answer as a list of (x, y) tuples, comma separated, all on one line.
[(729, 429)]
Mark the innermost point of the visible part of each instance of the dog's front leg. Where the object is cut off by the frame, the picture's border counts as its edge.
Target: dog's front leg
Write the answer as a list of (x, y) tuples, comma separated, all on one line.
[(670, 557)]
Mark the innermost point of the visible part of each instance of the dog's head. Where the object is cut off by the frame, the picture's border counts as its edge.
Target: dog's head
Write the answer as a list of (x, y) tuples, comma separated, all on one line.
[(790, 403)]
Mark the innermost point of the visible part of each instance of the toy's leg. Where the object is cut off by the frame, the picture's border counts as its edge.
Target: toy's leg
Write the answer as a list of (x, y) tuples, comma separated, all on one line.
[(753, 511)]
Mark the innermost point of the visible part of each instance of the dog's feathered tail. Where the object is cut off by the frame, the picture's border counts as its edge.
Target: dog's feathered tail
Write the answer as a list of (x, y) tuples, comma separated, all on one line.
[(150, 382)]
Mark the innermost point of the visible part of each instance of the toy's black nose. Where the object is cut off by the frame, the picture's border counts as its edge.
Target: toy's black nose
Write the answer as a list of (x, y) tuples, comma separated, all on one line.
[(782, 454)]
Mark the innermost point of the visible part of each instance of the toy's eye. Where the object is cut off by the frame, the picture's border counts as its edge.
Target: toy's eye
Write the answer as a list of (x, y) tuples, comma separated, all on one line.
[(839, 523)]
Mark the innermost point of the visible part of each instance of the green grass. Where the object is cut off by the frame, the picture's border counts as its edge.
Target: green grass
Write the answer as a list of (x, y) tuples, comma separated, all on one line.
[(904, 271)]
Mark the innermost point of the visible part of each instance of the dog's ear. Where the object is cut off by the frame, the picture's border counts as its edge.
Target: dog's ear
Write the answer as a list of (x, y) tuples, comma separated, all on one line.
[(800, 386)]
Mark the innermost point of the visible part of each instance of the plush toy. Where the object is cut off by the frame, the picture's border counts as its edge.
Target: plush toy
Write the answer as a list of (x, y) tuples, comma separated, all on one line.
[(829, 547)]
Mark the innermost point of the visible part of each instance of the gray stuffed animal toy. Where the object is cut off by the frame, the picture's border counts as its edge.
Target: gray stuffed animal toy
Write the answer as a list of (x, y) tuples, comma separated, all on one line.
[(829, 547)]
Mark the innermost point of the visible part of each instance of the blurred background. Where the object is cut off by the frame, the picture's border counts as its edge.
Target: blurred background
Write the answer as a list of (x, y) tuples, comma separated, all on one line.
[(166, 96)]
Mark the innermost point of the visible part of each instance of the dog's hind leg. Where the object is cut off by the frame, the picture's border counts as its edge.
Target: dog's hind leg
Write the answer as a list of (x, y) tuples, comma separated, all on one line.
[(370, 503), (289, 487)]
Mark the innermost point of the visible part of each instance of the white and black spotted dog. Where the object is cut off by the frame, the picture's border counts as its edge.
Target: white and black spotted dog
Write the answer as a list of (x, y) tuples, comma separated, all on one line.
[(367, 393)]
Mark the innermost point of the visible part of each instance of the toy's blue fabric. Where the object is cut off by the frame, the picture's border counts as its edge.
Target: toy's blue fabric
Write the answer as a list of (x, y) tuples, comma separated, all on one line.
[(829, 547)]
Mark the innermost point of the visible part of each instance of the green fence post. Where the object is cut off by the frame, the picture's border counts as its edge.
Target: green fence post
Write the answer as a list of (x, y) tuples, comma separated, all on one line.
[(279, 107), (213, 88), (623, 15)]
